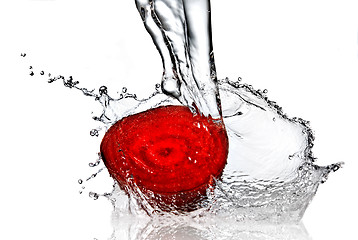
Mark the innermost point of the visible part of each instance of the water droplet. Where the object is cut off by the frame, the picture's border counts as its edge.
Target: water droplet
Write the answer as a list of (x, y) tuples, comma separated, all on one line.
[(93, 195), (32, 73), (94, 164), (103, 90), (336, 167), (42, 73), (107, 194), (94, 174), (23, 55), (94, 132), (69, 82)]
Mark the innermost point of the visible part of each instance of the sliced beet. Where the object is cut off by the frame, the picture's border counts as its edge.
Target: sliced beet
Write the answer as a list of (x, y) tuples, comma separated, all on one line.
[(169, 153)]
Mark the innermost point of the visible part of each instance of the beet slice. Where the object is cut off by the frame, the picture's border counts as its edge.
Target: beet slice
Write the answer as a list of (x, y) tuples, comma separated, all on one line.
[(170, 154)]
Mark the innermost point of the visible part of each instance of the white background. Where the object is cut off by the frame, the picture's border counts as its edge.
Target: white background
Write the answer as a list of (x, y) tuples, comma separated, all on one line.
[(304, 52)]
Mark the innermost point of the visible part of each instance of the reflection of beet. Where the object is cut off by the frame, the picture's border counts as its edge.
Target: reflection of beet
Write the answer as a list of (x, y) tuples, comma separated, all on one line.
[(169, 153)]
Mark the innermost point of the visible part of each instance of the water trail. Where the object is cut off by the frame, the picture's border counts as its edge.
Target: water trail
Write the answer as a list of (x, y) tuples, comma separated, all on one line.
[(181, 31)]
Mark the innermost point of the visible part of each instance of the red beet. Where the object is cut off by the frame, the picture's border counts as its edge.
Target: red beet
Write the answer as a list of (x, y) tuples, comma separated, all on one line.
[(170, 154)]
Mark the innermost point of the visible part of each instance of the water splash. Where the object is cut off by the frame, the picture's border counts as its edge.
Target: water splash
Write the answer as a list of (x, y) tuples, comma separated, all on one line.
[(271, 173)]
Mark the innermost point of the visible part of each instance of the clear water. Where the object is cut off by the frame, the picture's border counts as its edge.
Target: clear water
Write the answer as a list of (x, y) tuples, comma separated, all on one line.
[(181, 31), (271, 175)]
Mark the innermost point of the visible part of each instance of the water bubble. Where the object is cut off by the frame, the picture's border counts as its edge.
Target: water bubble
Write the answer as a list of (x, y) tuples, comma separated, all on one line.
[(42, 73), (23, 54), (124, 90), (80, 181), (32, 73)]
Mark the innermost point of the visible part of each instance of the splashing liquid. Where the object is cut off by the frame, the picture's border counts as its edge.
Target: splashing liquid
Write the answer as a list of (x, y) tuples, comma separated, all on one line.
[(270, 164), (270, 173)]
